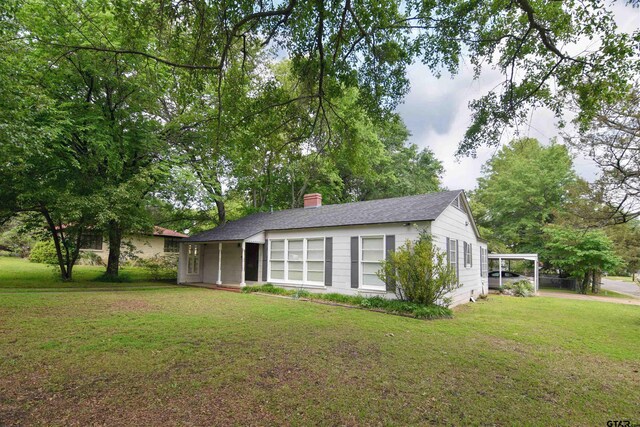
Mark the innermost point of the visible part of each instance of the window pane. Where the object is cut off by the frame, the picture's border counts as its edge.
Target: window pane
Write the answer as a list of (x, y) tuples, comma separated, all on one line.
[(315, 244), (372, 255), (277, 255), (372, 280), (277, 274), (315, 276), (295, 245), (315, 255), (277, 245), (370, 267), (277, 265), (295, 275), (295, 256), (372, 243), (295, 265), (315, 266)]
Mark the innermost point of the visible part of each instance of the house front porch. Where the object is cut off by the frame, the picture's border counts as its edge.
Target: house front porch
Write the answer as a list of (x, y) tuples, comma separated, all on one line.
[(231, 264)]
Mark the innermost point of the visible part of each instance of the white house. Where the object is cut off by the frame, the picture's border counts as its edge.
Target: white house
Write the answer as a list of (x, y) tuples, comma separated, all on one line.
[(336, 248)]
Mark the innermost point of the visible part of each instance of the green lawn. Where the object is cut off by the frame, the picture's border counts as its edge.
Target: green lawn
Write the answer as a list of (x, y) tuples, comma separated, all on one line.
[(603, 293), (172, 355), (622, 278)]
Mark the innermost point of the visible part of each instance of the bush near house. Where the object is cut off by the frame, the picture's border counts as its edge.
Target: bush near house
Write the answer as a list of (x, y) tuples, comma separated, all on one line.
[(404, 308), (521, 288), (420, 273), (160, 267), (44, 252)]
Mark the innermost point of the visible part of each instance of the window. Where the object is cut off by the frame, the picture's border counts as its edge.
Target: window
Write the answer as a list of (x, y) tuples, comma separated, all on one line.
[(494, 274), (193, 259), (295, 264), (92, 240), (302, 261), (315, 260), (171, 245), (276, 258), (484, 261), (468, 254), (453, 254), (371, 254)]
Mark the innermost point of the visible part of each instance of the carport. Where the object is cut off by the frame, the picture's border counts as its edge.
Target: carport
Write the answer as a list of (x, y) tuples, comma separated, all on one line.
[(517, 257)]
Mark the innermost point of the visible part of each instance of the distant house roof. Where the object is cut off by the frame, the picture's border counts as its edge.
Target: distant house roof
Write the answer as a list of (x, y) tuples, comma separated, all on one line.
[(165, 232), (423, 207)]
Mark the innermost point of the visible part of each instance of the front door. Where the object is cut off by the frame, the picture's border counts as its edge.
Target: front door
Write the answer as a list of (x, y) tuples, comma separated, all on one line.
[(251, 258)]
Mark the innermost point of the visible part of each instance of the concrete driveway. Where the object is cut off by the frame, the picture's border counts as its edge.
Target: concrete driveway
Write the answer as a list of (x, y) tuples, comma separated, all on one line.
[(626, 288)]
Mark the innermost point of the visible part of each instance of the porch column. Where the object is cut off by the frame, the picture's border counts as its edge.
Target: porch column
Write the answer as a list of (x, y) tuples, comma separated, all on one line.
[(500, 271), (242, 283), (219, 281)]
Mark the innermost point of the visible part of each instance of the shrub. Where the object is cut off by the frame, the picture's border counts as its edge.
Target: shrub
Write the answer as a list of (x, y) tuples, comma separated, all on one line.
[(521, 288), (161, 267), (420, 311), (419, 272), (44, 252), (91, 258)]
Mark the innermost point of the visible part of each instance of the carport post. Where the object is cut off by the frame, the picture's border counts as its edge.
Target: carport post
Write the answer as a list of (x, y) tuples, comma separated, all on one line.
[(535, 273), (242, 283), (500, 271), (219, 281)]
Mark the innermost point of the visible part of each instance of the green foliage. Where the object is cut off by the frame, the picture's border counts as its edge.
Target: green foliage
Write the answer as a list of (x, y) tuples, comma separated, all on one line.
[(91, 258), (626, 242), (420, 273), (522, 189), (44, 252), (521, 288), (406, 308), (579, 253), (161, 267)]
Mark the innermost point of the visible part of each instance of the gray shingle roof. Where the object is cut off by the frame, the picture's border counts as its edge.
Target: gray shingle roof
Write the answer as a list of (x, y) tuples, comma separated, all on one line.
[(423, 207)]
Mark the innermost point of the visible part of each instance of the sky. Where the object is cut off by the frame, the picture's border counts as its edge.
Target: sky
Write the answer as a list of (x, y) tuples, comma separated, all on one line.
[(437, 115)]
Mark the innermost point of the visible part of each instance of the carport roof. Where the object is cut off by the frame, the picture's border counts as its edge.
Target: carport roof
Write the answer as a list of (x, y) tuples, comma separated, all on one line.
[(423, 207)]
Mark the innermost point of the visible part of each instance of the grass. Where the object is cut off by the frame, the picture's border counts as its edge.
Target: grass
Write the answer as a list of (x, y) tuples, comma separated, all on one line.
[(174, 355), (603, 293), (19, 274), (375, 303), (628, 279)]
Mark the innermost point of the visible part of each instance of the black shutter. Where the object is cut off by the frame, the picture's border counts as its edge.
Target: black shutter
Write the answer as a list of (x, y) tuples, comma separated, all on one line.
[(390, 243), (265, 260), (448, 249), (354, 262), (328, 258), (470, 255), (457, 261), (464, 253)]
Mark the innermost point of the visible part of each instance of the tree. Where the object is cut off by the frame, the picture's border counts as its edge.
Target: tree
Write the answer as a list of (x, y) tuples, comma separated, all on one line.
[(523, 188), (420, 272), (339, 45), (625, 238), (579, 253), (612, 140)]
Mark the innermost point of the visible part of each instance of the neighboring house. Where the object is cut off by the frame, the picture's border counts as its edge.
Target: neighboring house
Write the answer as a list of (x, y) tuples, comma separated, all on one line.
[(336, 248), (162, 241)]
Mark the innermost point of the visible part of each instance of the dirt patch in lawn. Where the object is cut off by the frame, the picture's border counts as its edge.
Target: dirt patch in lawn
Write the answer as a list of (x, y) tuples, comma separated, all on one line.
[(132, 305)]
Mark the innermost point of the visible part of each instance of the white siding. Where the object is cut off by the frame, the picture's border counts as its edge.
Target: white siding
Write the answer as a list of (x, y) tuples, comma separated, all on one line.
[(454, 223)]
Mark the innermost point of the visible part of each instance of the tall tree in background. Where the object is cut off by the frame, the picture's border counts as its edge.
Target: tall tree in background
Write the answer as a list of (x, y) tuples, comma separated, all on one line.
[(523, 188), (612, 140)]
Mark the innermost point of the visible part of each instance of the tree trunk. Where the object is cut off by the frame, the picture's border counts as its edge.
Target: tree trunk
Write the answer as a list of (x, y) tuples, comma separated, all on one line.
[(65, 273), (584, 285), (115, 240), (222, 213)]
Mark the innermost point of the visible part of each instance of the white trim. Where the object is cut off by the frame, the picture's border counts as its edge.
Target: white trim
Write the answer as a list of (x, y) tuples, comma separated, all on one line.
[(361, 285), (304, 282), (219, 281)]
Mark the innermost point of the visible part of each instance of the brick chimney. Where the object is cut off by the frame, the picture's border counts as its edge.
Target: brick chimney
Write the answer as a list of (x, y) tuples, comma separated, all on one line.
[(312, 200)]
